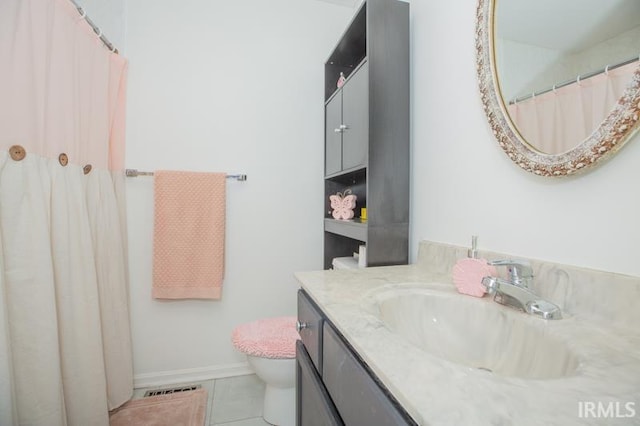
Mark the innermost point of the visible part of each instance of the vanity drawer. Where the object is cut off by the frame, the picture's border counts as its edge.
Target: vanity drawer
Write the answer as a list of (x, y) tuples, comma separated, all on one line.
[(310, 320), (360, 400)]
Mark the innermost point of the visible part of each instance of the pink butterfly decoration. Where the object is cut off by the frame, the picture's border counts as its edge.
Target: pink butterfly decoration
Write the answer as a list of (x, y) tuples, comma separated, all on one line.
[(343, 205)]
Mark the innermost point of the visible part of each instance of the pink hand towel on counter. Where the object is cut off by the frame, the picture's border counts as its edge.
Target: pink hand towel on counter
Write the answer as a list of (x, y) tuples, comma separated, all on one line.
[(189, 232)]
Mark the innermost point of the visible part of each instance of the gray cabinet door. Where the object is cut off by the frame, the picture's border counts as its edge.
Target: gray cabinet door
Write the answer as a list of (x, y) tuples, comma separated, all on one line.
[(333, 138), (313, 403), (357, 397), (355, 116)]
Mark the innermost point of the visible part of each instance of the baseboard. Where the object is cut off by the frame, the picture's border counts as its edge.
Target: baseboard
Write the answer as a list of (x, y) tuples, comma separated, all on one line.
[(190, 375)]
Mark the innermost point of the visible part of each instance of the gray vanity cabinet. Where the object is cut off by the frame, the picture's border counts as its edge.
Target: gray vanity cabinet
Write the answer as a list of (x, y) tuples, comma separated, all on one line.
[(338, 389), (314, 406), (346, 121)]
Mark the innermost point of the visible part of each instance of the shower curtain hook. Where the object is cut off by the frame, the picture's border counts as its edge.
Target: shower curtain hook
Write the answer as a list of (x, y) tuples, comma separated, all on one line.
[(113, 48), (83, 13), (578, 80), (606, 70), (554, 88), (99, 32)]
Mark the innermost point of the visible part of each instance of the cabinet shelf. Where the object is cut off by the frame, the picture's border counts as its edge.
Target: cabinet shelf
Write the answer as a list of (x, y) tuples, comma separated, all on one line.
[(348, 175), (352, 69), (354, 228), (349, 52)]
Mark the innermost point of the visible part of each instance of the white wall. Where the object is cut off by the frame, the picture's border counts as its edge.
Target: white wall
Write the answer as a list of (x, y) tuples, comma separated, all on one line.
[(215, 86), (234, 87), (464, 184)]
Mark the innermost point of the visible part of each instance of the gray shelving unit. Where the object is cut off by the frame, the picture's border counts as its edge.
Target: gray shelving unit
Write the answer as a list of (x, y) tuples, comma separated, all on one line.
[(367, 134)]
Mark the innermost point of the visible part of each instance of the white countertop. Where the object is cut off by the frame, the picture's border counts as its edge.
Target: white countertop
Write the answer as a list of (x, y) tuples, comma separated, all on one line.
[(435, 391)]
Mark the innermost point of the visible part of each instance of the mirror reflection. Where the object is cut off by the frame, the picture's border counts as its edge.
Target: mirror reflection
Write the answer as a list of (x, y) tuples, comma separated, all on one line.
[(563, 65)]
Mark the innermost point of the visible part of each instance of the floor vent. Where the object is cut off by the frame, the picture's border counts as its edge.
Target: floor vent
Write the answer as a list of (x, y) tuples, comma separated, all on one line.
[(171, 390)]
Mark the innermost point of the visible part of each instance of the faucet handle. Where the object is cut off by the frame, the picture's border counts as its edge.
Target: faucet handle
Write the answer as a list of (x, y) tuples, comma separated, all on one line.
[(520, 272)]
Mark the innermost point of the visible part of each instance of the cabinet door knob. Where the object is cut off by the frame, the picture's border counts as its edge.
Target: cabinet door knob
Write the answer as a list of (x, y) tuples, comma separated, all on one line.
[(344, 127), (301, 325), (338, 130)]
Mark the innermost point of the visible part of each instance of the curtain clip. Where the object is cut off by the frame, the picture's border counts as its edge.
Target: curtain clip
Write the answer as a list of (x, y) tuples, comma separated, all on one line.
[(98, 31), (83, 13)]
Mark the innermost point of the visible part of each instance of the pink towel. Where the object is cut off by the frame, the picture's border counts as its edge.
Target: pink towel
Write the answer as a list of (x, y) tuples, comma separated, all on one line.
[(188, 240)]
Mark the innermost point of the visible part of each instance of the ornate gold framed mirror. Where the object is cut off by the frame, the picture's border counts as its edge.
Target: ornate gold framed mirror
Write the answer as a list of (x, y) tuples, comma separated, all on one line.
[(507, 96)]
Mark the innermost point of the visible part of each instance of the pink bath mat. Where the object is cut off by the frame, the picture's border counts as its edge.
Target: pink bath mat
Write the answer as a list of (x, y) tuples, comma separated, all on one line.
[(176, 409)]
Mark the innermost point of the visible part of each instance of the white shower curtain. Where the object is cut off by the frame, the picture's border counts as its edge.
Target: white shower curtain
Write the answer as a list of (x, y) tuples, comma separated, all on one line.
[(65, 343), (557, 121)]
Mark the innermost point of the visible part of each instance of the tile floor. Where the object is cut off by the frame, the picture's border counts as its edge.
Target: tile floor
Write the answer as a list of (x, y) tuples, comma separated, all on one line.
[(233, 401)]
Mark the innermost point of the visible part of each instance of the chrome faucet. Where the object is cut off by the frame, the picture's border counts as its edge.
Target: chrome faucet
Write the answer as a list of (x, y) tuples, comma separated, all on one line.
[(515, 291)]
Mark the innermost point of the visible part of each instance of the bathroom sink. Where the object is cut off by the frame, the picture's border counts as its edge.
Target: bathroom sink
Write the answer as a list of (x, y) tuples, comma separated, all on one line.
[(475, 333)]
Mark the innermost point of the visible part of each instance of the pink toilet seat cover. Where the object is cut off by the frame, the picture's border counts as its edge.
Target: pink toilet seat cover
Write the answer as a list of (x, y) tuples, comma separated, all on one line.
[(267, 338)]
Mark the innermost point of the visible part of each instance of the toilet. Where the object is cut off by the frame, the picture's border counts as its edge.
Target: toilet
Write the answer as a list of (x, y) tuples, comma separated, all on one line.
[(270, 347)]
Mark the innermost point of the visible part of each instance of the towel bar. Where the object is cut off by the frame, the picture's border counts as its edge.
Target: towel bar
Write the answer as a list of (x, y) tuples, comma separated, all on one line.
[(136, 173)]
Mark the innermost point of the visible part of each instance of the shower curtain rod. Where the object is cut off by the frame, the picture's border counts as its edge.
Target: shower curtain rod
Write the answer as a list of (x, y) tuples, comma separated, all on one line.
[(575, 80), (94, 27)]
